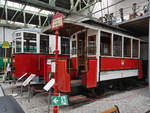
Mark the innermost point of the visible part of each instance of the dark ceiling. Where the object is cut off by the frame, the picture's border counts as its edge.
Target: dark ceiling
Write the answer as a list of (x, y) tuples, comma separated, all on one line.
[(139, 25)]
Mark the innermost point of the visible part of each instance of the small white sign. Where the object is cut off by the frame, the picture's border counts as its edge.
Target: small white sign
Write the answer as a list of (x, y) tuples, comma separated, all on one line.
[(53, 67), (48, 86), (22, 77), (26, 82), (49, 62)]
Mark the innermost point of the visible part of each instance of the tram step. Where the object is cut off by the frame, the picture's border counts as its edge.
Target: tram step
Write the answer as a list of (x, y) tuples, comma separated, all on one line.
[(76, 83)]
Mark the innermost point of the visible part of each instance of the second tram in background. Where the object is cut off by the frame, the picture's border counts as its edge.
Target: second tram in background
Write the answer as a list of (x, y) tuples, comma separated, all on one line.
[(31, 51)]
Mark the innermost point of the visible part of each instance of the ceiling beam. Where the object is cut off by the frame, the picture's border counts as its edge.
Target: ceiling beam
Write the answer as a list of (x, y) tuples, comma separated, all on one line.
[(43, 5)]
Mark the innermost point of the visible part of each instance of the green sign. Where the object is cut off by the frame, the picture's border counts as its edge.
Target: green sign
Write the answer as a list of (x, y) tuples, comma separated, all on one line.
[(59, 100), (5, 45)]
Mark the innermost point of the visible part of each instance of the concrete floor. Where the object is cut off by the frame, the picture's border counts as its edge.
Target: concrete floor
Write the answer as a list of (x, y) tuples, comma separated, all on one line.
[(133, 101)]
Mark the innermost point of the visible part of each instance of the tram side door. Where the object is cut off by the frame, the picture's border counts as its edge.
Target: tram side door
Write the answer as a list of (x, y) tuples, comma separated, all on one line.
[(82, 52)]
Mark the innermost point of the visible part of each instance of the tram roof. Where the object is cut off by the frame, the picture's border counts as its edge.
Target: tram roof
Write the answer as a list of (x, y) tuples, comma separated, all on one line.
[(71, 27)]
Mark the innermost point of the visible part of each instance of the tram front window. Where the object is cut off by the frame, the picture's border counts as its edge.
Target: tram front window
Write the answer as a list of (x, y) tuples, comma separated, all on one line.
[(106, 44), (44, 44), (30, 42), (18, 45)]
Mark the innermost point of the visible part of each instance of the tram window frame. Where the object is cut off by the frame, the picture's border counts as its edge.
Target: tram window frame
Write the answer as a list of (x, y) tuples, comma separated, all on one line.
[(65, 46), (92, 45), (106, 47), (45, 48), (127, 51), (34, 40), (135, 54), (117, 47)]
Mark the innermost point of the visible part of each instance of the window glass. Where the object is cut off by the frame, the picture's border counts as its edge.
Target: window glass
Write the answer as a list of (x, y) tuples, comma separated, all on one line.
[(106, 44), (117, 45), (18, 44), (92, 45), (65, 46), (135, 48), (127, 47), (44, 44), (73, 47), (30, 42)]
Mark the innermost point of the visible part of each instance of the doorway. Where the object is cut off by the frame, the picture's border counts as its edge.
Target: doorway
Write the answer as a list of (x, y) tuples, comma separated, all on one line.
[(82, 52)]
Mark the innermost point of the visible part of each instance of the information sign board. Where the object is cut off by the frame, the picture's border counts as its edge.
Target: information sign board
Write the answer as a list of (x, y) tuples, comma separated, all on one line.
[(5, 44), (26, 82), (48, 86), (5, 59), (57, 21)]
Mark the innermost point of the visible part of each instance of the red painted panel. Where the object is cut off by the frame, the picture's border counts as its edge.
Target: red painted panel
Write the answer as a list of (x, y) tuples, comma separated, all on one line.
[(74, 62), (118, 63), (91, 80), (140, 70), (31, 63), (73, 70), (63, 78)]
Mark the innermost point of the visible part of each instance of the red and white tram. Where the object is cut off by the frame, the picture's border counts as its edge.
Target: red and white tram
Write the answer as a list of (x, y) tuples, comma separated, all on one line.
[(98, 53)]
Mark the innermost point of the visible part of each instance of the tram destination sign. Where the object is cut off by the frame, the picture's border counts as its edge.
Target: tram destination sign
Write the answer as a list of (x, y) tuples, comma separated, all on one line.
[(57, 21), (59, 100)]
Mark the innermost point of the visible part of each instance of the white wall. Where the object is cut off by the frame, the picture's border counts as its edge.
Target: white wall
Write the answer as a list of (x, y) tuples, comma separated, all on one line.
[(5, 34)]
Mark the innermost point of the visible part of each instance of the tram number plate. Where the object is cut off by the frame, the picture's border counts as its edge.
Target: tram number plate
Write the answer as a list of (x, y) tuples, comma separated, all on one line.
[(59, 100), (26, 82)]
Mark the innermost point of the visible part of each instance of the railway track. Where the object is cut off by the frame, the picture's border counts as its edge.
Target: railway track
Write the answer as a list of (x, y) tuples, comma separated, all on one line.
[(88, 96)]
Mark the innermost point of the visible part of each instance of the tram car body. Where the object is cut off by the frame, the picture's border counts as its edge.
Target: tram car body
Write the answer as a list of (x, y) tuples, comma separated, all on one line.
[(30, 51), (98, 53), (2, 56)]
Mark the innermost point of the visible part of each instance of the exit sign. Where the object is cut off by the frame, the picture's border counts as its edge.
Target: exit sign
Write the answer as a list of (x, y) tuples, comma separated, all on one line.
[(59, 100)]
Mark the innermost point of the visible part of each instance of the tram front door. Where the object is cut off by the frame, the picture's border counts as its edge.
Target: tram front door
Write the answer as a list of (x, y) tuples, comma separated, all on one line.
[(82, 52)]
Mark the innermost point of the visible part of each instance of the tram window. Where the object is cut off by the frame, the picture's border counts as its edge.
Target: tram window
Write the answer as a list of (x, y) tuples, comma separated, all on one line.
[(117, 45), (30, 42), (92, 45), (65, 46), (44, 44), (73, 47), (127, 47), (106, 44), (18, 44), (135, 48)]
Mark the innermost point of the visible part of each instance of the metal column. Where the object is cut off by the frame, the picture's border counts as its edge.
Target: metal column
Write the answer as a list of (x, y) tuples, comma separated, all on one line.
[(149, 50)]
